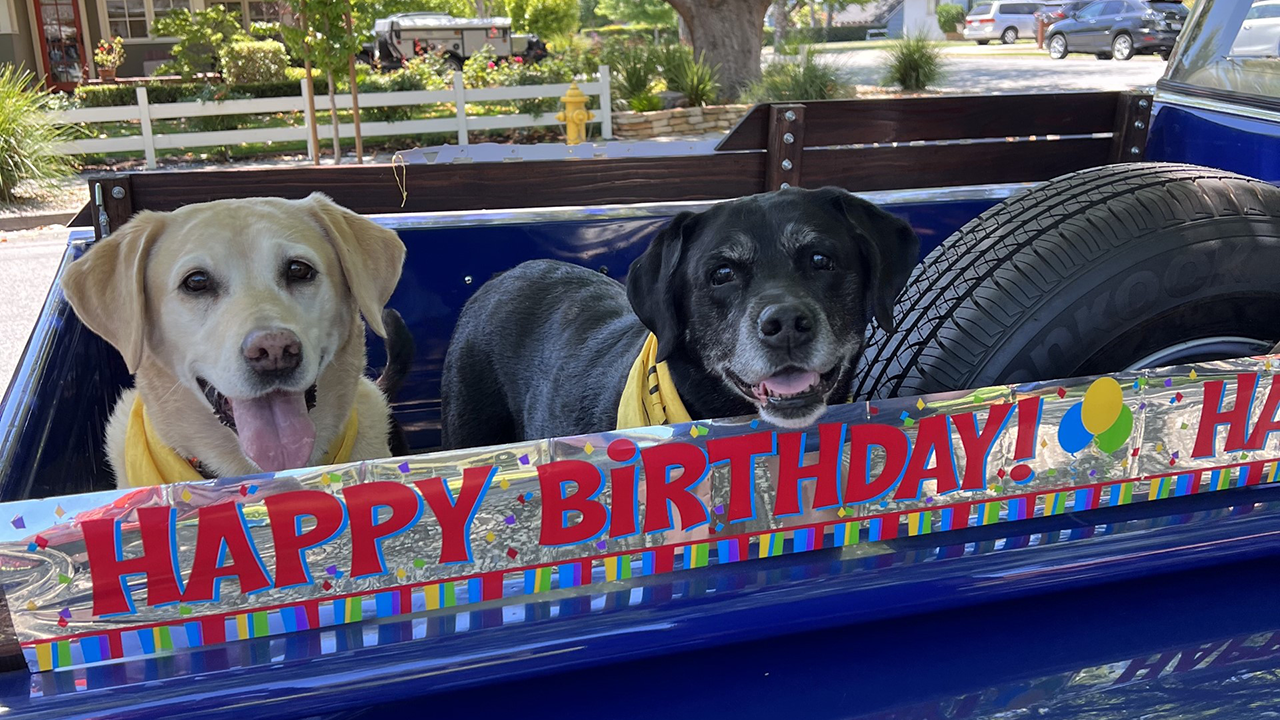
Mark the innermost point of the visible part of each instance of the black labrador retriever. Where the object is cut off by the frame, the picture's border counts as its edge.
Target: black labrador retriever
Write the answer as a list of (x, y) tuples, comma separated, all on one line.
[(757, 305)]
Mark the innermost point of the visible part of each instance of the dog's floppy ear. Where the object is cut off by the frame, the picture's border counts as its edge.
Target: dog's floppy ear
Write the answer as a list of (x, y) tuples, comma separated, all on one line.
[(106, 287), (651, 283), (889, 245), (371, 256)]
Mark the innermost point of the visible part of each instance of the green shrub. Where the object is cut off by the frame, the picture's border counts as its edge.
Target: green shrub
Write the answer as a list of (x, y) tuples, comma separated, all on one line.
[(637, 33), (645, 103), (200, 34), (544, 18), (796, 82), (28, 137), (581, 55), (697, 79), (212, 123), (915, 63), (633, 68), (949, 16), (117, 95), (547, 72), (253, 61), (481, 70)]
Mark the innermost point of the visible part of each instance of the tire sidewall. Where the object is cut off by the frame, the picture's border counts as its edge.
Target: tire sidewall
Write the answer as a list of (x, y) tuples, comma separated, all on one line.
[(1130, 293), (1115, 54), (1054, 54)]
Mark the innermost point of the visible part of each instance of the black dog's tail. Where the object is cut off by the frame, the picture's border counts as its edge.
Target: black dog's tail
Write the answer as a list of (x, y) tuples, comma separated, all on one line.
[(400, 350)]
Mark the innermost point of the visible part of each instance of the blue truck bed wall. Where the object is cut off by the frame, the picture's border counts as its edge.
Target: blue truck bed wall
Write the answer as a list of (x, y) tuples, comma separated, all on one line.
[(55, 412)]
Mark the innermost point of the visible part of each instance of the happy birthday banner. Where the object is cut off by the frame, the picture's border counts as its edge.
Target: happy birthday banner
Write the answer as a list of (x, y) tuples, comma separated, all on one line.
[(100, 577)]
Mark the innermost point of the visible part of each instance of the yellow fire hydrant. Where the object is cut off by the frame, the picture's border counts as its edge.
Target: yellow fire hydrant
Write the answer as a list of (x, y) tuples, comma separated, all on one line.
[(575, 115)]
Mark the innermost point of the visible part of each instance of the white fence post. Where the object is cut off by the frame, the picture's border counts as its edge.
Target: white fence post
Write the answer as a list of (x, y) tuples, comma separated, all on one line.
[(144, 119), (606, 103), (306, 119), (460, 99)]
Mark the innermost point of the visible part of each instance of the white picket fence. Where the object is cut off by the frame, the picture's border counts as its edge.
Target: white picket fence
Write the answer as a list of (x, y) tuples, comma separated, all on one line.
[(148, 141)]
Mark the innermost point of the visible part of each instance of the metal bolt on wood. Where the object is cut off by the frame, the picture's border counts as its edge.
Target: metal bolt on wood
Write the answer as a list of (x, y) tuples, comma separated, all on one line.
[(788, 138), (786, 164)]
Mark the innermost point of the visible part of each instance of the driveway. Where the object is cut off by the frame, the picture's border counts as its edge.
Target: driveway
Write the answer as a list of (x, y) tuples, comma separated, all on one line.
[(1020, 69), (28, 262)]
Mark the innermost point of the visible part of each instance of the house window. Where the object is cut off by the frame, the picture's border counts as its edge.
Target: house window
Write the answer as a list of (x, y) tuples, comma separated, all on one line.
[(132, 18), (6, 17), (252, 11)]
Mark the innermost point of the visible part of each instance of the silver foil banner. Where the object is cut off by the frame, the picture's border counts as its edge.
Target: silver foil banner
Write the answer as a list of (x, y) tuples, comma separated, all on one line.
[(98, 577)]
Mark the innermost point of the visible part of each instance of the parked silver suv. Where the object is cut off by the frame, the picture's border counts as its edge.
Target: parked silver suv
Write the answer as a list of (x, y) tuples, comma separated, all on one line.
[(1006, 21)]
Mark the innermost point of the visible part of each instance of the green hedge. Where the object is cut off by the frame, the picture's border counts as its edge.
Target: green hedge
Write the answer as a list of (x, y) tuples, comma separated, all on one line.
[(114, 95), (637, 31), (838, 33)]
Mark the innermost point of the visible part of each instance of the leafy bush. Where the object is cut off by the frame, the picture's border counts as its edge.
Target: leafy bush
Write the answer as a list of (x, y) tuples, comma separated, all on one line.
[(637, 33), (915, 63), (645, 103), (544, 18), (419, 73), (581, 55), (949, 16), (253, 61), (649, 12), (697, 79), (633, 68), (117, 95), (481, 70), (212, 123), (200, 34), (547, 72), (796, 82), (28, 137)]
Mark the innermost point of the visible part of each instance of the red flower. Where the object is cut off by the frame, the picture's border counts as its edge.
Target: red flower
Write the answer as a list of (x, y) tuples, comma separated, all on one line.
[(492, 66), (517, 59)]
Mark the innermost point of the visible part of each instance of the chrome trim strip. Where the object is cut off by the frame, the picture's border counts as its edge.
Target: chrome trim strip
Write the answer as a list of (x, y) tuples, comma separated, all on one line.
[(397, 221), (1245, 111)]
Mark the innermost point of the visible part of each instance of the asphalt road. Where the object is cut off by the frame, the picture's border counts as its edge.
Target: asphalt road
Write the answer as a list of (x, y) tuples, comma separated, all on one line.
[(1011, 70), (28, 260)]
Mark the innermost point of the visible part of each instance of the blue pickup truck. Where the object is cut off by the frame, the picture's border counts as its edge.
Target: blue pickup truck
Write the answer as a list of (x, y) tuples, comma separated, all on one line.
[(1116, 233)]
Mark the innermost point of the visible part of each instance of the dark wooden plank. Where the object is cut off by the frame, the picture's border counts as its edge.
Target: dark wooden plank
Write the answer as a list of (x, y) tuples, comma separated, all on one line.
[(943, 165), (786, 143), (112, 199), (1133, 122), (478, 186), (952, 117), (84, 218)]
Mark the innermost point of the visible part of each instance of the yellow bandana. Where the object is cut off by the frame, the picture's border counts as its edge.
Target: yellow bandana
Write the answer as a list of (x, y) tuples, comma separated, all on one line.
[(148, 461), (650, 397)]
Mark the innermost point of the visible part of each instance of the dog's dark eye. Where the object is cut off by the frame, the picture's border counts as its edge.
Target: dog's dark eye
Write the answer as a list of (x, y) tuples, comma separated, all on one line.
[(721, 275), (196, 282), (822, 262), (299, 271)]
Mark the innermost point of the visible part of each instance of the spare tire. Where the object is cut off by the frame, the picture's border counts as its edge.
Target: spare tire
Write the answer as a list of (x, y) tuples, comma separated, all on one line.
[(1107, 269)]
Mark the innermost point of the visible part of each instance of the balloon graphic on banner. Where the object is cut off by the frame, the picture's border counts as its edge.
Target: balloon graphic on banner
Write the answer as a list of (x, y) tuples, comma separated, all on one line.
[(1100, 418)]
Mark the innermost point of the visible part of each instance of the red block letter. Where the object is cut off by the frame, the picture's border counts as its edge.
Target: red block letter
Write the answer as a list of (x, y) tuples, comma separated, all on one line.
[(556, 506), (740, 452), (286, 512), (826, 471), (367, 533), (977, 446), (859, 487), (622, 486), (454, 517), (661, 492), (933, 441), (1236, 419), (107, 569), (221, 533), (1267, 423)]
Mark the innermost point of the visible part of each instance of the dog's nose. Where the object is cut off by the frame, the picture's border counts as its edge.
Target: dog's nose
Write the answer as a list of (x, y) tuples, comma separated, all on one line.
[(272, 350), (786, 325)]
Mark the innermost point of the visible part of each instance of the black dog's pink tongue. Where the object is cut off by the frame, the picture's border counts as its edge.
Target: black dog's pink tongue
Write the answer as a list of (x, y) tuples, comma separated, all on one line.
[(275, 431), (789, 383)]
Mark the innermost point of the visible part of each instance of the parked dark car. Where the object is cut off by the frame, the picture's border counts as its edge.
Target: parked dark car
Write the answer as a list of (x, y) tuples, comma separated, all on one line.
[(1119, 29), (1056, 11)]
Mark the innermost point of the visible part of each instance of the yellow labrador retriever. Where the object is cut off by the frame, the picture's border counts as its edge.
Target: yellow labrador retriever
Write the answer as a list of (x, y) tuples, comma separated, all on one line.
[(240, 320)]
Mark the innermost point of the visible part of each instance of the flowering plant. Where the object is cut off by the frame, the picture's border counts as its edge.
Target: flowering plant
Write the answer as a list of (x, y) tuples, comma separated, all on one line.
[(109, 53)]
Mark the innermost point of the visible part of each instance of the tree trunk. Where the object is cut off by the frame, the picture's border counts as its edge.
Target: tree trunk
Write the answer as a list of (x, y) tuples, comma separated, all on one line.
[(685, 38), (481, 10), (333, 119), (311, 113), (355, 101), (826, 32), (781, 23), (813, 15), (729, 32)]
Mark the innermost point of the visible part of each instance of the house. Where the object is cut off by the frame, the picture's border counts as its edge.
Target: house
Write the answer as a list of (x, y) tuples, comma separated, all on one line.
[(55, 38), (902, 17)]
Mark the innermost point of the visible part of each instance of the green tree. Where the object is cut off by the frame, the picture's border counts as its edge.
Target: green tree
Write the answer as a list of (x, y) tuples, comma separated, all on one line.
[(324, 38), (544, 18), (201, 35), (648, 12)]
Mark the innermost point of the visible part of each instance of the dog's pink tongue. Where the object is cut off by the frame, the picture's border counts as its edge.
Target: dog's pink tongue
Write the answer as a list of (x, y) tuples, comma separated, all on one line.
[(791, 383), (275, 431)]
